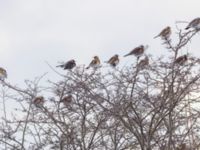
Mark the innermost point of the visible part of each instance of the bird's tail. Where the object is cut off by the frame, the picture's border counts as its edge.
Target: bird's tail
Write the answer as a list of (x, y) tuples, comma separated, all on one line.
[(126, 55), (187, 28), (156, 36), (60, 66)]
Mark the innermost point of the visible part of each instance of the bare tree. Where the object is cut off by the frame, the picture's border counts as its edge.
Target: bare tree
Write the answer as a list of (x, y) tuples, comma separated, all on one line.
[(152, 104)]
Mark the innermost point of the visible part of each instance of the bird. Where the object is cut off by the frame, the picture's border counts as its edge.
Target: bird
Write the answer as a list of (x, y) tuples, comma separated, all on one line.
[(181, 60), (38, 101), (144, 62), (138, 51), (68, 65), (182, 146), (3, 73), (66, 100), (94, 63), (114, 60), (165, 33), (195, 23)]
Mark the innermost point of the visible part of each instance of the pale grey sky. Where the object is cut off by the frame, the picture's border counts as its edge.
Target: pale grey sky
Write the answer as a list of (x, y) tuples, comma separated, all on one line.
[(35, 31)]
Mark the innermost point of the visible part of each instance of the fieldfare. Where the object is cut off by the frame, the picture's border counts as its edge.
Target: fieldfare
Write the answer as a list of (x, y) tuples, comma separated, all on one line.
[(3, 73), (195, 23), (66, 100), (138, 51), (113, 61), (38, 101), (68, 65), (165, 33), (181, 60), (182, 146), (94, 63), (144, 62)]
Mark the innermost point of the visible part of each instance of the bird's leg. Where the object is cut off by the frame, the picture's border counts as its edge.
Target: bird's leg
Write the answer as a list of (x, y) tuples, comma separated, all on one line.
[(138, 58)]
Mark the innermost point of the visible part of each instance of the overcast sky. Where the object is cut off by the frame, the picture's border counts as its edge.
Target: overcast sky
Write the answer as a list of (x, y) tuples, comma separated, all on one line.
[(35, 31)]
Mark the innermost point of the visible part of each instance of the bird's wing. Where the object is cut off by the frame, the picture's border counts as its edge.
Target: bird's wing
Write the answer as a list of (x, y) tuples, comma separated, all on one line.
[(116, 60), (131, 52), (111, 60), (178, 59), (93, 62), (136, 50), (3, 72), (194, 22), (98, 61)]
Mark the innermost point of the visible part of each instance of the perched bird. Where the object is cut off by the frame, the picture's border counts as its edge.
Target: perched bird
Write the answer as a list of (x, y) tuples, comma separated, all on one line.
[(144, 62), (181, 60), (68, 65), (38, 101), (66, 100), (182, 146), (113, 61), (94, 63), (3, 73), (165, 33), (195, 23), (138, 51)]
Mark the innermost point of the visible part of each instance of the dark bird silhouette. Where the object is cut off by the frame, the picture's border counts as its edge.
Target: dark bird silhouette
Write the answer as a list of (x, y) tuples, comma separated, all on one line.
[(94, 63), (195, 23), (165, 33), (3, 73), (66, 100), (138, 51), (38, 101), (144, 62), (68, 65), (181, 60), (113, 61)]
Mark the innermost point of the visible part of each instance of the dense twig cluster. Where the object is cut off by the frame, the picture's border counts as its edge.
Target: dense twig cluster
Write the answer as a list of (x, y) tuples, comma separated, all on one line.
[(153, 104)]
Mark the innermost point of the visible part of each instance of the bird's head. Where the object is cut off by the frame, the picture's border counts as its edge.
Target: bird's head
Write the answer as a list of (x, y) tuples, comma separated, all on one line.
[(142, 46), (96, 57), (73, 61), (168, 28), (116, 55)]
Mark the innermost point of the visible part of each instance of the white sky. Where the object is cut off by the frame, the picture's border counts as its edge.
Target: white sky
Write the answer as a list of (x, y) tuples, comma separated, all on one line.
[(35, 31)]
